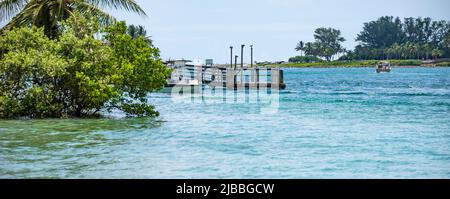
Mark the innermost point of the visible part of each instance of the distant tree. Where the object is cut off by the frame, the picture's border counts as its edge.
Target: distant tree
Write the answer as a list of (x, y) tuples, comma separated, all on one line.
[(310, 49), (395, 51), (139, 31), (436, 53), (413, 30), (446, 45), (414, 38), (381, 33), (440, 30), (409, 50), (327, 43), (390, 52), (416, 49), (427, 50), (447, 41), (386, 38), (300, 47)]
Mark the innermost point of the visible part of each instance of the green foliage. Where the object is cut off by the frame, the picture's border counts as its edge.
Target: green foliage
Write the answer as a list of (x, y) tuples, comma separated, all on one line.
[(364, 63), (405, 62), (47, 13), (139, 68), (327, 44), (139, 31), (28, 56), (414, 38), (300, 47), (385, 38), (304, 59), (77, 75), (443, 64), (381, 33)]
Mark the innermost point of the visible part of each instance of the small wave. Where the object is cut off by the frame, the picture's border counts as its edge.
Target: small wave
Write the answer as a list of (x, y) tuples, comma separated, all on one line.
[(290, 92), (340, 101), (440, 104), (420, 94), (349, 93), (340, 93)]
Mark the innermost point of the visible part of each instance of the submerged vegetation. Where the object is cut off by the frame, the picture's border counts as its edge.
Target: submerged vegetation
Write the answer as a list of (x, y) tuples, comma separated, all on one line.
[(77, 75)]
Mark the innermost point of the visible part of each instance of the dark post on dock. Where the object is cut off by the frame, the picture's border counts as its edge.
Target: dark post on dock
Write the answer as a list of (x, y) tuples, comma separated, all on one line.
[(251, 56), (242, 55), (231, 56)]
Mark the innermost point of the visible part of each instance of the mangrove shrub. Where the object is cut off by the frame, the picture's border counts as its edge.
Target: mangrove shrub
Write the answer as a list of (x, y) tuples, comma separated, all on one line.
[(77, 75)]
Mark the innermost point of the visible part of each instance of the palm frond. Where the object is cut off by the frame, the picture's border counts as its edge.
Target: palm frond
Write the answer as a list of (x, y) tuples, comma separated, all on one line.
[(9, 8), (24, 17), (36, 11), (142, 31), (129, 5), (132, 31), (58, 10), (90, 9)]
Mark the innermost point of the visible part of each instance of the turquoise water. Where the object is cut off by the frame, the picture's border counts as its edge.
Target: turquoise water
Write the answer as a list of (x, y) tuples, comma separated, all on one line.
[(328, 123)]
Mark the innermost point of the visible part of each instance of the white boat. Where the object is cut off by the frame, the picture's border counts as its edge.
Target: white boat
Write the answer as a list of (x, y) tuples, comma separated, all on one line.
[(383, 67)]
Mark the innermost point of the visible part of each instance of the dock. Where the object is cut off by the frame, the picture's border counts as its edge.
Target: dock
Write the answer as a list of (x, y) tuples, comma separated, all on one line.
[(219, 76)]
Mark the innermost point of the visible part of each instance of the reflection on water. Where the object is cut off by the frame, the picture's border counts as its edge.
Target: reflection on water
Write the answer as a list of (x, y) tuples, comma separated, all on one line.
[(72, 144)]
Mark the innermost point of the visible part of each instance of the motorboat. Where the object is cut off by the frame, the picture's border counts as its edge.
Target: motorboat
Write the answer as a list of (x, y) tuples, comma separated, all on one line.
[(383, 67)]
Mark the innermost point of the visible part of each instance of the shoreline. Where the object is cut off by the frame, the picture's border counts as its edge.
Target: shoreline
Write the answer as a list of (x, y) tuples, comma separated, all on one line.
[(364, 63), (282, 66)]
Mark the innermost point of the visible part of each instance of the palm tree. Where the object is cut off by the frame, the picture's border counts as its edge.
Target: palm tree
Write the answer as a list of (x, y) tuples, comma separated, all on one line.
[(397, 49), (447, 40), (409, 50), (46, 13), (139, 31), (300, 47), (390, 51), (436, 53), (417, 50), (427, 50), (309, 49)]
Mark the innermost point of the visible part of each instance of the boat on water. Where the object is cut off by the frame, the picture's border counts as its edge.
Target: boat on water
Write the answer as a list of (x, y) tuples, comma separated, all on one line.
[(383, 67)]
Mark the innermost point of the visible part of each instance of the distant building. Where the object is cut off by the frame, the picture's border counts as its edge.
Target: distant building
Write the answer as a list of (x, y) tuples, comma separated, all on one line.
[(178, 63), (209, 62)]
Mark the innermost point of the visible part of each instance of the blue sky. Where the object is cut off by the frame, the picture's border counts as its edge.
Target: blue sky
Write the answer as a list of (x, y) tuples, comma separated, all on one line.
[(205, 29), (194, 29)]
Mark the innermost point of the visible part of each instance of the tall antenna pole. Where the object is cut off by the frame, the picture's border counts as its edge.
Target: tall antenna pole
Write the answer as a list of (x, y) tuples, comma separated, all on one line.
[(231, 56), (242, 55)]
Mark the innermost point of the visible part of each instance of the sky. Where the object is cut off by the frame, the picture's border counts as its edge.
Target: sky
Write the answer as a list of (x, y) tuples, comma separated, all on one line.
[(203, 29)]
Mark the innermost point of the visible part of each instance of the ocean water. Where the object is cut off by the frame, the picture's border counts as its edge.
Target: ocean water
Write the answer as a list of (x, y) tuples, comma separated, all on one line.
[(328, 123)]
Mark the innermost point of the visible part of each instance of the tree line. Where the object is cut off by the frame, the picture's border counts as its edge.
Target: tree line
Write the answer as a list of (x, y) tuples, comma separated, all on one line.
[(385, 38)]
